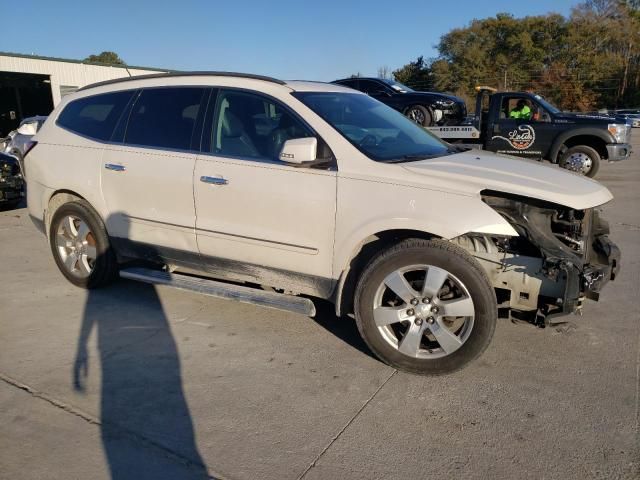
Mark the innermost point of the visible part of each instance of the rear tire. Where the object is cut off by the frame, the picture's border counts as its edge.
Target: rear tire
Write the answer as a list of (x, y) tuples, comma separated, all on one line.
[(581, 159), (420, 115), (411, 328), (81, 247)]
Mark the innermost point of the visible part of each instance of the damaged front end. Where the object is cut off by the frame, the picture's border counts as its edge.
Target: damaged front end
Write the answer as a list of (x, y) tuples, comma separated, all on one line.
[(560, 257), (11, 180)]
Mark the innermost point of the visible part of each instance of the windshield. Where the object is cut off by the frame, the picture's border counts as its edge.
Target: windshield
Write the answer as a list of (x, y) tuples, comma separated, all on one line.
[(376, 130), (397, 86), (547, 105)]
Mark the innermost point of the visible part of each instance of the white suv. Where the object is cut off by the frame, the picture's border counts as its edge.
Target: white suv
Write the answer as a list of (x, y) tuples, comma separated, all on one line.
[(313, 189)]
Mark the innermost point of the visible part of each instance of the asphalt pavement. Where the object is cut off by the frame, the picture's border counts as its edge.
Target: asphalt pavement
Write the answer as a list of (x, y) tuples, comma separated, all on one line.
[(135, 382)]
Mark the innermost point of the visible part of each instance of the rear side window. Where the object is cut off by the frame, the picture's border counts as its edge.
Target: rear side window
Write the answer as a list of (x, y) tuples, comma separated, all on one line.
[(95, 116), (164, 117)]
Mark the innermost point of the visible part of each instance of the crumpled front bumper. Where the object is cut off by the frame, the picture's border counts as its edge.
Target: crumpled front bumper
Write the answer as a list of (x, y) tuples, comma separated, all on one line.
[(596, 275), (575, 275), (601, 264), (11, 189)]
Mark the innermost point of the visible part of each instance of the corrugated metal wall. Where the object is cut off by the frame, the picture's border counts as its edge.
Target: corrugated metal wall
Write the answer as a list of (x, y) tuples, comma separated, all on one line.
[(66, 74)]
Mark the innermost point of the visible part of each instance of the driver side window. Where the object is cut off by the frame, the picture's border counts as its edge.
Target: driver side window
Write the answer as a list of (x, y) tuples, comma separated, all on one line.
[(251, 126), (523, 109)]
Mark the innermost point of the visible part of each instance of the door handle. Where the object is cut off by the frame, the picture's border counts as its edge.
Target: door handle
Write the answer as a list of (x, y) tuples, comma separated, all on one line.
[(115, 167), (214, 180)]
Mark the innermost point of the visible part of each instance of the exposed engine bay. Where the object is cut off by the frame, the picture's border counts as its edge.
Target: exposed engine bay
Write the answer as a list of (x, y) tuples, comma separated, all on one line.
[(561, 257)]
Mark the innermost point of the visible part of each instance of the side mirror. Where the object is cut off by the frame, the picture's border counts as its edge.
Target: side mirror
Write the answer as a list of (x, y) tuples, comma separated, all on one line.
[(27, 129), (299, 150)]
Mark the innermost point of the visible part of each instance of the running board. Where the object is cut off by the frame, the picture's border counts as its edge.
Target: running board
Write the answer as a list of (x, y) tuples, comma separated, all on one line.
[(278, 301)]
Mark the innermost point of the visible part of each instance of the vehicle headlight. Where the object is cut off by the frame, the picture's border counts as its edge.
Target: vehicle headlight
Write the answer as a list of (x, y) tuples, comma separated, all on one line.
[(620, 132), (445, 103)]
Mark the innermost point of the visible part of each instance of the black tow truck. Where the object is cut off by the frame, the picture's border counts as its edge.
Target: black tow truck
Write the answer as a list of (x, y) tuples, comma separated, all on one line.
[(577, 142)]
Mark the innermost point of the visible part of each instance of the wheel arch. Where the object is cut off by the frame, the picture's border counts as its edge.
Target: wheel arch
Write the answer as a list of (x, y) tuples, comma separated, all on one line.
[(55, 201), (360, 256), (590, 137)]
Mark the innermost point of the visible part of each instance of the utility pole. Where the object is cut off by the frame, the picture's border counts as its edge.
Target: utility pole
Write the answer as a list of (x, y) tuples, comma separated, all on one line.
[(505, 79)]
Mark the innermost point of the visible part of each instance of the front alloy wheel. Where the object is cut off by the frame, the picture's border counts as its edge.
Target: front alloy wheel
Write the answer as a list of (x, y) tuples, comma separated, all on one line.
[(420, 115), (425, 306), (423, 311)]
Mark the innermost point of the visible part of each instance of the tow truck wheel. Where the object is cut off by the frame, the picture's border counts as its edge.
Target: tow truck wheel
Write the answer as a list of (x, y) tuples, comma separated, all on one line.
[(581, 159), (420, 115)]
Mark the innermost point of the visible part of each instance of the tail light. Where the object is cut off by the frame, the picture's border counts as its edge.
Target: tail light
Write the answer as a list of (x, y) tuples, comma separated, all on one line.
[(27, 148)]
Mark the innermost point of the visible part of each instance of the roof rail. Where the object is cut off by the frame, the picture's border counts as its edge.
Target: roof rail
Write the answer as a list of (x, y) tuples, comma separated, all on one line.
[(184, 74)]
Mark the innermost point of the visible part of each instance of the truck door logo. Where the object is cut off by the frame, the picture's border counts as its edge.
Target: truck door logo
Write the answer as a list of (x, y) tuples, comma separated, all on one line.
[(521, 138)]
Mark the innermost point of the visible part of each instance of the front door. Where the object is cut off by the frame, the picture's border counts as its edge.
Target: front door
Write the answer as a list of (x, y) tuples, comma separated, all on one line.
[(258, 219), (526, 135), (147, 182)]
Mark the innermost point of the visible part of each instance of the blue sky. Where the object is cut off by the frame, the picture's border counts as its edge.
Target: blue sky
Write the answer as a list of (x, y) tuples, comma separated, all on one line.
[(321, 40)]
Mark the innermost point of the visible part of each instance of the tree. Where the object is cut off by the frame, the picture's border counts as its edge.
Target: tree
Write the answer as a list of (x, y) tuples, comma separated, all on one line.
[(589, 60), (109, 58), (415, 74)]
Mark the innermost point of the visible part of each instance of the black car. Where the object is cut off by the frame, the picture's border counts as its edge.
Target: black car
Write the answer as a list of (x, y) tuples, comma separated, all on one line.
[(11, 181), (424, 108)]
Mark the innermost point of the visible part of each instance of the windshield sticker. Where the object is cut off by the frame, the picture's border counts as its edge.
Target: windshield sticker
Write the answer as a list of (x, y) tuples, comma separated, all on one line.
[(520, 138)]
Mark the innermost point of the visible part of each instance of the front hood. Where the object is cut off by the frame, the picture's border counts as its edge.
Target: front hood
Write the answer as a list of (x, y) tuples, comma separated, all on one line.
[(476, 171)]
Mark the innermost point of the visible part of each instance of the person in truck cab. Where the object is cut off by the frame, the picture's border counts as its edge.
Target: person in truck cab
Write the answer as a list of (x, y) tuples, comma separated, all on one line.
[(522, 111)]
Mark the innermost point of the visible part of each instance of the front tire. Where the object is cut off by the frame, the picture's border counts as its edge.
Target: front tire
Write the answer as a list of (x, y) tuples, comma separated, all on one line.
[(80, 246), (425, 307), (420, 115), (581, 159)]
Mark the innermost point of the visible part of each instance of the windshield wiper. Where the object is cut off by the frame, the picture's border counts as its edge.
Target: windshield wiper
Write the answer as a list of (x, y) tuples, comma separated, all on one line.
[(412, 158)]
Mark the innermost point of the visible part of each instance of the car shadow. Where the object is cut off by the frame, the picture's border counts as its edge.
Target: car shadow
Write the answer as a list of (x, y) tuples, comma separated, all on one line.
[(343, 328), (142, 403), (145, 423)]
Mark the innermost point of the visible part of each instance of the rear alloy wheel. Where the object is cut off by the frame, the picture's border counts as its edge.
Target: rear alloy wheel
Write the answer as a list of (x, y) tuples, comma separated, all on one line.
[(426, 306), (80, 246), (581, 159), (420, 115)]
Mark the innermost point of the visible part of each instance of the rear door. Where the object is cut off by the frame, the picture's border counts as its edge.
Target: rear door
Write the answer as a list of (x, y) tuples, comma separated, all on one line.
[(147, 180), (259, 219)]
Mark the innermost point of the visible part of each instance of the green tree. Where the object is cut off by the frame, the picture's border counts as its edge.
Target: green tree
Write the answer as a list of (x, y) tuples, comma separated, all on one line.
[(109, 58), (415, 74), (589, 60)]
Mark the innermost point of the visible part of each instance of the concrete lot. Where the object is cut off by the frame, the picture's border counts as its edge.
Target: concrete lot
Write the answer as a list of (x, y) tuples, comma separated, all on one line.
[(141, 382)]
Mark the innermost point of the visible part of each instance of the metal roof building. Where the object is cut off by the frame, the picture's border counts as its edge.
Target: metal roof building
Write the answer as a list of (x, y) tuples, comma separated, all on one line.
[(32, 85)]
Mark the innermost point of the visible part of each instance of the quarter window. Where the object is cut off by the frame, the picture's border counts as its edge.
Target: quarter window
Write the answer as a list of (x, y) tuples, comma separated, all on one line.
[(95, 116), (164, 117), (248, 125)]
